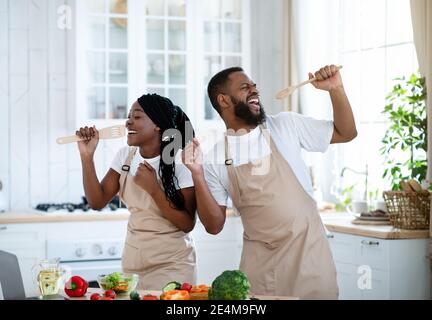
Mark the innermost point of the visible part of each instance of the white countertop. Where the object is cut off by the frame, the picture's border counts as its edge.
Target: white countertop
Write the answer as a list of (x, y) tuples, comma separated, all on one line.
[(334, 222), (342, 222), (37, 216)]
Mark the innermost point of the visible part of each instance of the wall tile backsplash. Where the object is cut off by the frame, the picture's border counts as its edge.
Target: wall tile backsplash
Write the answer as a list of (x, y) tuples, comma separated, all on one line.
[(36, 108)]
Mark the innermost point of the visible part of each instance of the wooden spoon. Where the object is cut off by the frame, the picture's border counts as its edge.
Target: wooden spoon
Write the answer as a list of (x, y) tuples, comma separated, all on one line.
[(289, 91), (105, 133)]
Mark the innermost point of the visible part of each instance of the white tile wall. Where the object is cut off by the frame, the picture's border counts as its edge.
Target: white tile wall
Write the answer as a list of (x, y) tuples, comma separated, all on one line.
[(4, 98), (38, 24), (3, 33), (18, 54), (19, 141), (38, 110), (3, 5), (18, 13), (35, 107)]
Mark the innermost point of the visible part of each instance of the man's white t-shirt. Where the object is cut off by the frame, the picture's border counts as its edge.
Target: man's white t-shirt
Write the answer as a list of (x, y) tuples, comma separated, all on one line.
[(182, 173), (290, 132)]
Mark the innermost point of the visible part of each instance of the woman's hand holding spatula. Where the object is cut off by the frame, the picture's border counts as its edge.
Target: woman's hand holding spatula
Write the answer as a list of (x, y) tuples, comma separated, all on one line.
[(88, 145)]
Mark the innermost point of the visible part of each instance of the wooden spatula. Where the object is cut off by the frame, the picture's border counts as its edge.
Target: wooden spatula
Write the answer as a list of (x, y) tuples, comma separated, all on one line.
[(113, 132), (289, 91)]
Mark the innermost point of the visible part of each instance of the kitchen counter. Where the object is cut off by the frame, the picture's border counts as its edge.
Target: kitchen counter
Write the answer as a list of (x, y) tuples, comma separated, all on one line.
[(35, 216), (334, 222), (342, 222), (90, 291)]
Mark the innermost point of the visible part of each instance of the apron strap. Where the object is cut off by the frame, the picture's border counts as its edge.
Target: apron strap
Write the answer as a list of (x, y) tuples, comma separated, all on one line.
[(269, 139), (229, 162), (125, 171)]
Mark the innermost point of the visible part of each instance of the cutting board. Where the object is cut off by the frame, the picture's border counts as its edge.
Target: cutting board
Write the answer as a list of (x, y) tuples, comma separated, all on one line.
[(158, 293)]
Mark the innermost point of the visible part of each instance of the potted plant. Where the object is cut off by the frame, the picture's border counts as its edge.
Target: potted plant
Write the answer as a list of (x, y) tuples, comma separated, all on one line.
[(404, 143)]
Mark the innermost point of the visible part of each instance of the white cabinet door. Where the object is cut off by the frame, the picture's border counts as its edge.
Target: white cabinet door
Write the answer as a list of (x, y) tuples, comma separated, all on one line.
[(379, 288), (348, 282), (372, 268), (217, 253), (343, 248), (27, 242), (214, 258), (373, 252)]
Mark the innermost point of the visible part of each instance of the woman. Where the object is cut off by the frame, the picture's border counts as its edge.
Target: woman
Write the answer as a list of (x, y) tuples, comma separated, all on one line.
[(162, 205)]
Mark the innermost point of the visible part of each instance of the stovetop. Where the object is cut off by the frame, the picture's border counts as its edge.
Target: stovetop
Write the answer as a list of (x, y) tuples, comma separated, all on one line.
[(114, 204)]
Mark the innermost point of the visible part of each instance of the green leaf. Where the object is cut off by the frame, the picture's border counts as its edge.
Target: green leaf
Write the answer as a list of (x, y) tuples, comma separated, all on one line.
[(404, 144)]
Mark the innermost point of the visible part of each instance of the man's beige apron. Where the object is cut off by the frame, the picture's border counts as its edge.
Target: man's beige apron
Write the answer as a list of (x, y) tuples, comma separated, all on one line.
[(155, 249), (285, 249)]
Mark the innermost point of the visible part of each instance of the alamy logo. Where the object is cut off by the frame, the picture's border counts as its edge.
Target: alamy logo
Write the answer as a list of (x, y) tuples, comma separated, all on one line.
[(64, 20), (364, 282)]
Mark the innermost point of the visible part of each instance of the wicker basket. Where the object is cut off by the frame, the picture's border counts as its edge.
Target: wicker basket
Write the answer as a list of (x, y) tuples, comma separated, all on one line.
[(408, 210)]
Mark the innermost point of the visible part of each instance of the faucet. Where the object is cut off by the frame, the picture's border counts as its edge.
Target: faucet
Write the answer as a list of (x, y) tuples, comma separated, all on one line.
[(366, 172)]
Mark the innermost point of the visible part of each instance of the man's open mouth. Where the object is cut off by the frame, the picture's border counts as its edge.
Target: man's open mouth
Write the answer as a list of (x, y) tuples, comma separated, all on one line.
[(130, 132), (254, 103)]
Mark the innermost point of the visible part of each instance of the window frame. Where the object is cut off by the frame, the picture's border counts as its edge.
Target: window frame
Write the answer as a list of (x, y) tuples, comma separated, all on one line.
[(366, 120), (137, 82)]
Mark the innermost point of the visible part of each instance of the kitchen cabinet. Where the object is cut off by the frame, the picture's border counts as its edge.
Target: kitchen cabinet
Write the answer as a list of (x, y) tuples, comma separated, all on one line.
[(373, 268), (217, 253), (27, 242)]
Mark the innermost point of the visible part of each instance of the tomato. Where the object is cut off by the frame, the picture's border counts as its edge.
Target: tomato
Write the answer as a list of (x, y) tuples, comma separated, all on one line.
[(186, 286), (106, 298), (110, 294), (150, 297), (95, 296)]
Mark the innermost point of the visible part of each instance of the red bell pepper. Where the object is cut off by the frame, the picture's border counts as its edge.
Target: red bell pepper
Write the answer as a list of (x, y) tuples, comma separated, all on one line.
[(76, 287)]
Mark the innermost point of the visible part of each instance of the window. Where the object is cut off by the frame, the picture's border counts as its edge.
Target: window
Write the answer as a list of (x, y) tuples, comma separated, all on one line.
[(376, 46), (166, 49), (106, 57), (222, 22), (169, 47)]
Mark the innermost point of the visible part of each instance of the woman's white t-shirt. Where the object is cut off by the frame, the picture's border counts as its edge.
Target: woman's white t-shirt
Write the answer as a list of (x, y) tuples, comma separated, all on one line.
[(290, 132), (182, 173)]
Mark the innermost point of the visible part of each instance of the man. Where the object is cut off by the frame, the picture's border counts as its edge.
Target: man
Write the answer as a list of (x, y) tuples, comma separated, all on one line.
[(285, 250)]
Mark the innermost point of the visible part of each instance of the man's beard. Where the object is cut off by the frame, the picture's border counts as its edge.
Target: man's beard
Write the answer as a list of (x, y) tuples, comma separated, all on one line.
[(242, 111)]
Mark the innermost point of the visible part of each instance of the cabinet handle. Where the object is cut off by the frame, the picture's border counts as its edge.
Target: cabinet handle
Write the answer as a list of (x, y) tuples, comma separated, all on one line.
[(370, 243), (3, 228), (330, 236)]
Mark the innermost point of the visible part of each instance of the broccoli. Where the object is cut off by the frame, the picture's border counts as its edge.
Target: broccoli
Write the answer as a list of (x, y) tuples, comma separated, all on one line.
[(230, 285)]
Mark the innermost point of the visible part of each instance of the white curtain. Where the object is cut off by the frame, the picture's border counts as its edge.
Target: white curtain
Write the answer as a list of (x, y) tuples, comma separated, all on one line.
[(421, 12)]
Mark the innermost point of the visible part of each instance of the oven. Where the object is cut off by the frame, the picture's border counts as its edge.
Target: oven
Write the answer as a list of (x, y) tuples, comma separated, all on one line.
[(87, 258)]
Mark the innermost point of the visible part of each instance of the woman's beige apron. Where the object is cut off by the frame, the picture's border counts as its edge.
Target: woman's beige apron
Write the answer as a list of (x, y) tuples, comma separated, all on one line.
[(285, 249), (155, 249)]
